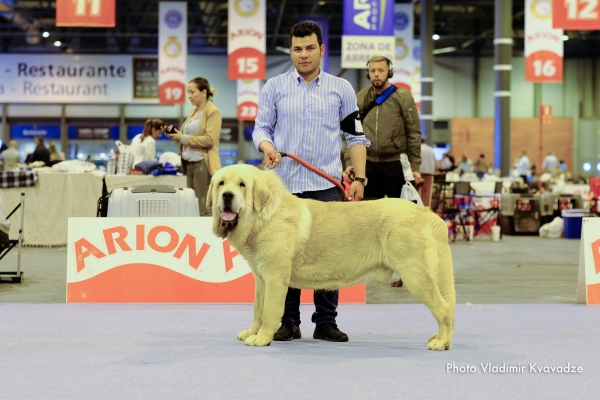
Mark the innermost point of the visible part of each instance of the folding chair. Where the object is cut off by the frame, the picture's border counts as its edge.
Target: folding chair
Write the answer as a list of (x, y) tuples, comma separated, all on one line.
[(488, 216), (14, 276), (438, 196), (458, 207)]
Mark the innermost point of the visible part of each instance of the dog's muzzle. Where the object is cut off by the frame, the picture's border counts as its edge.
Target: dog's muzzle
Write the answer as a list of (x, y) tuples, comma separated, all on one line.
[(228, 217)]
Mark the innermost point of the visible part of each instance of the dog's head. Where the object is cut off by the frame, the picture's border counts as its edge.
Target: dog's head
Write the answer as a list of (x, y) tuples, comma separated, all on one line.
[(235, 193)]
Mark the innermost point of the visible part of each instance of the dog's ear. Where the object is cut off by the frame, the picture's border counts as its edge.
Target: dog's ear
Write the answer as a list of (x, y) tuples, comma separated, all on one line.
[(209, 196), (260, 194)]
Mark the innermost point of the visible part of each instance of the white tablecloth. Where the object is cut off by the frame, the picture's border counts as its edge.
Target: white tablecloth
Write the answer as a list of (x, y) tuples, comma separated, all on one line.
[(50, 203)]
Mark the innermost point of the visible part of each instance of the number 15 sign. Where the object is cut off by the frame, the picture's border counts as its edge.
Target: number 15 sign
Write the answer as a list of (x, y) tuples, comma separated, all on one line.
[(246, 44)]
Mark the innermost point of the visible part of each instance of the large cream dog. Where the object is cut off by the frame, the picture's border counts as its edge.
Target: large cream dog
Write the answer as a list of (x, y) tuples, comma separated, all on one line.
[(316, 245)]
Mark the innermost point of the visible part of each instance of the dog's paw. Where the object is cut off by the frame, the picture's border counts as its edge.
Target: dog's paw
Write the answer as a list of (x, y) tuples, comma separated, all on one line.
[(434, 336), (257, 340), (436, 344), (243, 335)]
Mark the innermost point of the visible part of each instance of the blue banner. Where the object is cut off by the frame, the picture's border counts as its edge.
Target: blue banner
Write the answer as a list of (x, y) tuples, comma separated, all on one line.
[(368, 18), (93, 132), (50, 132)]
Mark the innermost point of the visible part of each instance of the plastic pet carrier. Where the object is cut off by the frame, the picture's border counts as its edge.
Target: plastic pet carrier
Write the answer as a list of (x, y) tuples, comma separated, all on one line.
[(153, 201)]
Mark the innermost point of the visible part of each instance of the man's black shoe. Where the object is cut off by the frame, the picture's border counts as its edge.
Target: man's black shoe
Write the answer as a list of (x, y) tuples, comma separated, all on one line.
[(329, 332), (288, 331)]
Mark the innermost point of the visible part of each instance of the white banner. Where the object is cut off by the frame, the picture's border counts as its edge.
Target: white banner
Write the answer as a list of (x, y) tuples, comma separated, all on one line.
[(46, 78), (357, 50), (544, 47), (416, 73), (247, 99), (247, 39), (172, 52), (403, 61)]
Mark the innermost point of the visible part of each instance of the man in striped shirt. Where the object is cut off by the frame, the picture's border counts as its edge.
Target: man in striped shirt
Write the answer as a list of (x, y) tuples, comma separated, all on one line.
[(302, 110)]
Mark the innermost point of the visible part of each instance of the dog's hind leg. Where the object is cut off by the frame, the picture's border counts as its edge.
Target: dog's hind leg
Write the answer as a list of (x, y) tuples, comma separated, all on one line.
[(419, 280), (259, 299), (272, 311)]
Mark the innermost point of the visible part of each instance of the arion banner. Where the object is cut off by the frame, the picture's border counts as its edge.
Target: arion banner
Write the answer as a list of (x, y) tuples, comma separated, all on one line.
[(403, 61), (544, 46), (247, 39), (588, 281), (172, 52), (248, 91), (164, 260), (576, 14)]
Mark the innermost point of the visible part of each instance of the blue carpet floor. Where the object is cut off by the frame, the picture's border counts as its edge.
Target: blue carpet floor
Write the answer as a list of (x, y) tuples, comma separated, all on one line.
[(71, 351)]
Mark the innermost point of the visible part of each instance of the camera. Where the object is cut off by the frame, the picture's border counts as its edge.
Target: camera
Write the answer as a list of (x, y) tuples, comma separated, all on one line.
[(169, 128)]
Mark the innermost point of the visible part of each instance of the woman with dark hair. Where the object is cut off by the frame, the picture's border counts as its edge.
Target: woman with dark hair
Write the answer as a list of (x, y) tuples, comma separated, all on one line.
[(199, 140), (143, 145)]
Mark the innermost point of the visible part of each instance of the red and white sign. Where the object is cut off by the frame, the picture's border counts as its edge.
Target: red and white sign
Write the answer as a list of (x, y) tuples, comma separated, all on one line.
[(172, 52), (160, 260), (588, 281), (247, 99), (403, 61), (94, 13), (546, 115), (247, 36), (576, 14), (544, 47)]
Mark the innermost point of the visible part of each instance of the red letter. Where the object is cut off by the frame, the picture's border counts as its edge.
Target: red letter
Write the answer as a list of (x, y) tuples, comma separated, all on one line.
[(596, 254), (228, 252), (140, 233), (120, 240), (90, 250), (172, 243), (194, 258)]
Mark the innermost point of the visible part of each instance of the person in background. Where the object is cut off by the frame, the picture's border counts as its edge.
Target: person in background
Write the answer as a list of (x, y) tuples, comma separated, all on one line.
[(392, 127), (143, 145), (550, 164), (199, 140), (10, 156), (304, 110), (563, 166), (481, 166), (41, 153), (523, 166), (465, 166), (428, 160), (447, 163), (55, 155)]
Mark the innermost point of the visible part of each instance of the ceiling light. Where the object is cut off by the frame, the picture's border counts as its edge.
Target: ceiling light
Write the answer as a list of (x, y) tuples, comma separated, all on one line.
[(57, 43), (435, 36), (444, 50), (587, 166), (565, 38), (598, 166), (283, 49), (322, 3), (46, 34)]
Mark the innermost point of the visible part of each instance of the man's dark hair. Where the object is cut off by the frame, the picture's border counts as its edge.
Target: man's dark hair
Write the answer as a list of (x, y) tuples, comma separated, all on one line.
[(304, 29)]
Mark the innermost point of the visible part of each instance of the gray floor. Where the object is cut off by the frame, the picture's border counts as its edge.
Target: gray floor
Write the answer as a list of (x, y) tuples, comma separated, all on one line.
[(518, 269)]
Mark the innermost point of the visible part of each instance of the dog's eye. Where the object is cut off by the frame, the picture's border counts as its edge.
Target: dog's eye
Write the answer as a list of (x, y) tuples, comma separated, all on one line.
[(221, 183), (242, 184)]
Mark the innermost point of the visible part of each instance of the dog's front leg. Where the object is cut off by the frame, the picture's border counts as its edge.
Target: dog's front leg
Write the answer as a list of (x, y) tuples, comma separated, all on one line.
[(259, 299), (274, 302)]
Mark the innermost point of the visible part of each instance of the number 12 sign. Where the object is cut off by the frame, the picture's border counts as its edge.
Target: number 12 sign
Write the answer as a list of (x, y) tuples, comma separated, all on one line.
[(576, 14)]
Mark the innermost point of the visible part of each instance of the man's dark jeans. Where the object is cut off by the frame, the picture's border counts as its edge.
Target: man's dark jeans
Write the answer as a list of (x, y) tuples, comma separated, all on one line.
[(326, 302)]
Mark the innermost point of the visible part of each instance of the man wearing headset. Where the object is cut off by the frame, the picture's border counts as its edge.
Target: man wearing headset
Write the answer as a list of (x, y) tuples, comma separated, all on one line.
[(391, 123)]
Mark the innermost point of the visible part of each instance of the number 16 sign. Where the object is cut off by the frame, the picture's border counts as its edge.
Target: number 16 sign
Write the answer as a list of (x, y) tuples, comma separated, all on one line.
[(246, 44), (544, 47)]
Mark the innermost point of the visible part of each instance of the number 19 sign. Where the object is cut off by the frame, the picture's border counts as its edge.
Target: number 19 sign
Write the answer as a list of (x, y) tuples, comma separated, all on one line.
[(544, 47), (246, 45)]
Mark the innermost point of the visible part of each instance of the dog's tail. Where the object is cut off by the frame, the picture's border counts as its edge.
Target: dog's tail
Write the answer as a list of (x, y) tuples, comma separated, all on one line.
[(445, 268)]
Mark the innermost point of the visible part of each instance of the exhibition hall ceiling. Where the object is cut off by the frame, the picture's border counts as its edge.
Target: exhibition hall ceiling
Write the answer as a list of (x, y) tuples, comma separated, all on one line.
[(467, 25)]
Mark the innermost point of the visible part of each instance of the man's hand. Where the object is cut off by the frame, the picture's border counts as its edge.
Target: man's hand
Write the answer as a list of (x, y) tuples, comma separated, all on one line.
[(272, 158), (418, 179), (357, 191), (175, 136), (349, 173)]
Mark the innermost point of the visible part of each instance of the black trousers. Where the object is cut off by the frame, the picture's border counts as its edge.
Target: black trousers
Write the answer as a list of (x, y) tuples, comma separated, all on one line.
[(385, 179), (326, 302)]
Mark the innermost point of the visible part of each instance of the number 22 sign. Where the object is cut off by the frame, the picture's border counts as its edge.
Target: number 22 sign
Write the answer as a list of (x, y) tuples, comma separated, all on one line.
[(576, 14)]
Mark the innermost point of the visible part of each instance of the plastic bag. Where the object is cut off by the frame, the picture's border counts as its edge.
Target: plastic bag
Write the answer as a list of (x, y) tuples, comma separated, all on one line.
[(408, 190), (126, 159)]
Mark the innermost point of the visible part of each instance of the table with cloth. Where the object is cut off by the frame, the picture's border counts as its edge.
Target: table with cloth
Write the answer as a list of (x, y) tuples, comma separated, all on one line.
[(48, 205)]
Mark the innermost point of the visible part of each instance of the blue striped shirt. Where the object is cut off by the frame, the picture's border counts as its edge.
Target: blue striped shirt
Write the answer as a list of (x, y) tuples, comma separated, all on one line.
[(305, 121)]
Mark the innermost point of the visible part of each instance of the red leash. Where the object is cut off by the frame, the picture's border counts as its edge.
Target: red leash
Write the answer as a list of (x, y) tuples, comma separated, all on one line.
[(345, 189)]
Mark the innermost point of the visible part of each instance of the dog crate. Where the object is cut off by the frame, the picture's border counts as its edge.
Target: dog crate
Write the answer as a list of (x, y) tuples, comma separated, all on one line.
[(153, 201), (527, 215)]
